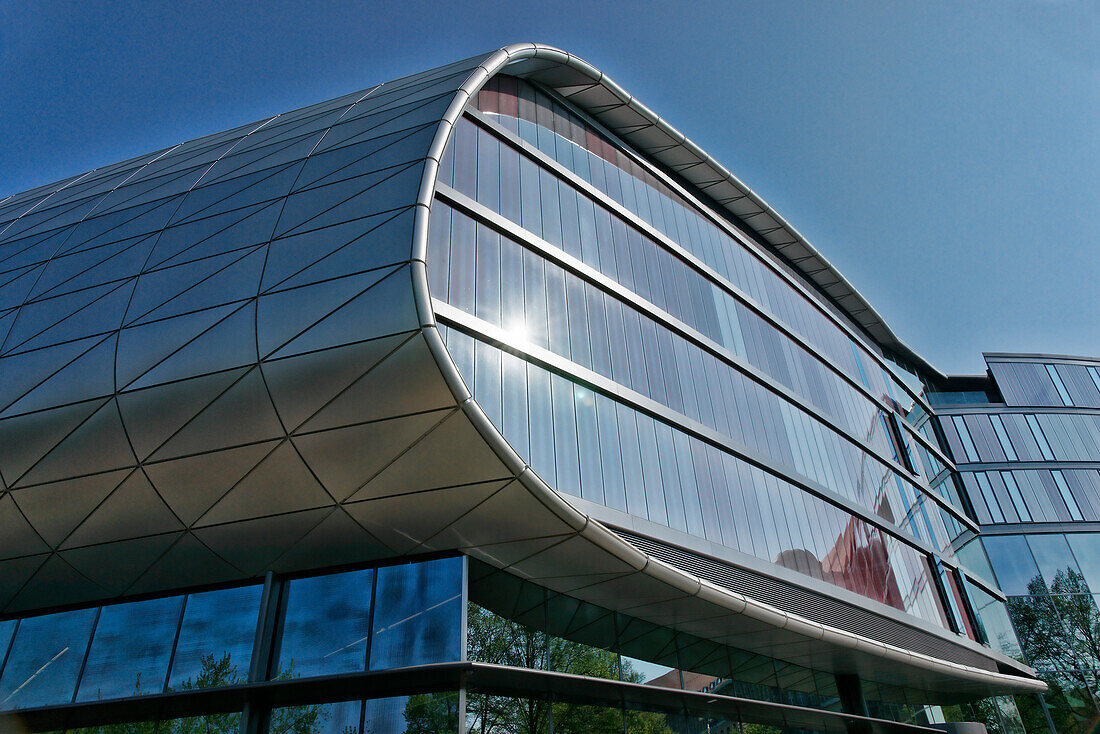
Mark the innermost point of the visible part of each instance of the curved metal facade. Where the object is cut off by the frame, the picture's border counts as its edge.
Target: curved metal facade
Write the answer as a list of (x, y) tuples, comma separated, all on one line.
[(189, 337), (243, 354)]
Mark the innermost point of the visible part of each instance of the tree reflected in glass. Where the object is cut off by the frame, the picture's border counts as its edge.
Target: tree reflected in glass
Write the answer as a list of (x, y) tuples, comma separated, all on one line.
[(1059, 631), (493, 639), (429, 713)]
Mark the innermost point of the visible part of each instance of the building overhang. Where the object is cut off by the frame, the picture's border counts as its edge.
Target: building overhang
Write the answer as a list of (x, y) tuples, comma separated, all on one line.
[(533, 532), (283, 426)]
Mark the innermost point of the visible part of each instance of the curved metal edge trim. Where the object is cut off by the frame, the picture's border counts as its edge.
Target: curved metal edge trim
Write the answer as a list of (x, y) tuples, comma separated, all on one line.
[(584, 525), (705, 158)]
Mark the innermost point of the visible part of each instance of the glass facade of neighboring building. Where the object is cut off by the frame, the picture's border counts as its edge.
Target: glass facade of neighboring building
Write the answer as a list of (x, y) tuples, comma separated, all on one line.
[(1028, 455), (460, 404)]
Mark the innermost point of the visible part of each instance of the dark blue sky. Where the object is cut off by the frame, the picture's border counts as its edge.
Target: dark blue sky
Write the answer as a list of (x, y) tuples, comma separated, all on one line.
[(943, 155)]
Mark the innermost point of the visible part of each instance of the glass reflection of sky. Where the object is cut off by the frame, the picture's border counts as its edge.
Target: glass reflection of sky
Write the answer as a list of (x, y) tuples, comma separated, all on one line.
[(418, 618), (327, 624), (45, 658), (130, 650), (216, 623)]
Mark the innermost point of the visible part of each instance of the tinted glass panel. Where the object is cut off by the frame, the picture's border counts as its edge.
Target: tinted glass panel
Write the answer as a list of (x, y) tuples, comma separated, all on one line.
[(418, 618), (7, 630), (45, 659), (1012, 562), (1086, 547), (327, 625), (130, 650), (1052, 556), (425, 712), (215, 641), (331, 718)]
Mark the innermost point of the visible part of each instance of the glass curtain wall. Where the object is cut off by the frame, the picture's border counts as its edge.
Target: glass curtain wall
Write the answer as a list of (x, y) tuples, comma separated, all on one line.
[(560, 134), (372, 619), (688, 381), (1052, 582), (1030, 466)]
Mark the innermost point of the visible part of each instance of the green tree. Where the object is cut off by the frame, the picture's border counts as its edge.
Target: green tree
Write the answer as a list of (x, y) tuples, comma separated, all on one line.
[(213, 672), (1059, 632), (431, 713), (216, 671), (492, 639)]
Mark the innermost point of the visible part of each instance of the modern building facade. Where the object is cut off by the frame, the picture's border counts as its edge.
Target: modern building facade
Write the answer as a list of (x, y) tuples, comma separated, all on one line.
[(1026, 440), (482, 399)]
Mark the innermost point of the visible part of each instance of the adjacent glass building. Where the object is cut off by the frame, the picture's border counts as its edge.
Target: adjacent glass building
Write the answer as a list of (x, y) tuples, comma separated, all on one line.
[(482, 400), (1026, 441)]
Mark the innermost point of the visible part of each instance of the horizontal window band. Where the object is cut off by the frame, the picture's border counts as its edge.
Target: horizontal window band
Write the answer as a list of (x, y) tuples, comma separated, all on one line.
[(692, 261), (785, 591), (450, 316), (1052, 465), (230, 699), (513, 231), (510, 229), (1000, 409), (999, 358), (483, 678), (1040, 528)]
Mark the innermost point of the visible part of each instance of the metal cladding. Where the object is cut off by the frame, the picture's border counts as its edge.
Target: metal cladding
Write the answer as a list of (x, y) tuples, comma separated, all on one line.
[(191, 338), (221, 359)]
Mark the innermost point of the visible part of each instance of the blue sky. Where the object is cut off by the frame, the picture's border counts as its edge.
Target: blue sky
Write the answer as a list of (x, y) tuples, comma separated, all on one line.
[(945, 156)]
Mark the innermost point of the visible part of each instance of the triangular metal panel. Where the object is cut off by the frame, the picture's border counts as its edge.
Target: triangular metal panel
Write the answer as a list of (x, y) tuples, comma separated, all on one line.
[(284, 315), (186, 563), (63, 318), (342, 249), (25, 371), (303, 384), (17, 537), (242, 414), (237, 193), (142, 347), (25, 439), (116, 566), (371, 154), (54, 580), (358, 197), (346, 458), (279, 484), (195, 286), (56, 509), (37, 250), (405, 521), (14, 574), (336, 541), (453, 453), (192, 485), (385, 307), (103, 264), (99, 444), (153, 415), (253, 545), (510, 514), (132, 510), (87, 375), (227, 344), (214, 235), (406, 381), (14, 291)]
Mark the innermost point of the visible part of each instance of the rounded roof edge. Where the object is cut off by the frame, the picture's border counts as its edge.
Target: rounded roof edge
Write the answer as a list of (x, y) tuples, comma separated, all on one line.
[(594, 92), (699, 594), (1037, 357)]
